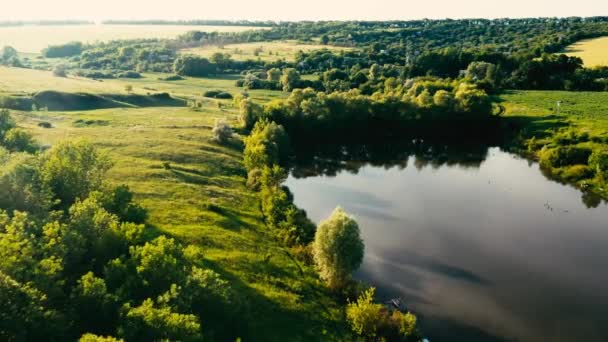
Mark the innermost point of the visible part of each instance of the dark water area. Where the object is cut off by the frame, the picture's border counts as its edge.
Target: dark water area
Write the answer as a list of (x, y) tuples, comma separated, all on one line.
[(477, 241)]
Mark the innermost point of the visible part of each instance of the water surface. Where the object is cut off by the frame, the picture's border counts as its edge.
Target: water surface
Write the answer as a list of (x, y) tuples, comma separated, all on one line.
[(483, 246)]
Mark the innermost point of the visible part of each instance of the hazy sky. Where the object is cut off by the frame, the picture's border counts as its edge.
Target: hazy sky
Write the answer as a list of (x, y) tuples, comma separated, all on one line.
[(295, 10)]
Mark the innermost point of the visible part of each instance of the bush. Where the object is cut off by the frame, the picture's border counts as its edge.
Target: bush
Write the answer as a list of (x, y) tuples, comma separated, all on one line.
[(60, 71), (338, 248), (171, 78), (18, 140), (189, 65), (128, 74), (222, 132), (65, 50), (45, 124), (576, 173), (563, 156), (375, 322), (598, 162), (217, 94)]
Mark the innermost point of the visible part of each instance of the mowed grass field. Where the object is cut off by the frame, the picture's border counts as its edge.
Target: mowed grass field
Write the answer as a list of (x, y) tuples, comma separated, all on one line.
[(34, 38), (201, 198), (266, 51), (593, 52)]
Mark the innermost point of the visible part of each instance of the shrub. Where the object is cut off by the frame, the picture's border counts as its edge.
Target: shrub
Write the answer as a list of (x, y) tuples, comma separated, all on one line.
[(338, 248), (563, 156), (598, 162), (222, 132), (171, 78), (575, 173), (217, 94), (96, 338), (18, 140), (150, 323), (60, 71), (375, 322), (45, 124)]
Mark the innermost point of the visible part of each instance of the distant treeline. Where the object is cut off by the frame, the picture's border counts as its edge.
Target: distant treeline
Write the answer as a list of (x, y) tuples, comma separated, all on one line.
[(45, 22), (192, 22)]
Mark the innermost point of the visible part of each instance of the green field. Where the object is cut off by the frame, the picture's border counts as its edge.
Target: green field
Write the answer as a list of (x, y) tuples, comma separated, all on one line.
[(286, 297), (580, 119), (593, 52), (34, 38), (266, 51)]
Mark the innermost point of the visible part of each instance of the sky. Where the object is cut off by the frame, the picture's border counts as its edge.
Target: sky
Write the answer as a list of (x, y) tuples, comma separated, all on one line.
[(296, 10)]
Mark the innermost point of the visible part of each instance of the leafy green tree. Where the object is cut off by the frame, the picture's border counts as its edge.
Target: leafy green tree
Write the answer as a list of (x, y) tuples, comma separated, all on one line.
[(95, 338), (274, 75), (73, 170), (189, 65), (338, 248), (158, 264), (6, 123), (290, 79), (18, 140), (24, 314), (95, 309), (21, 186), (150, 323)]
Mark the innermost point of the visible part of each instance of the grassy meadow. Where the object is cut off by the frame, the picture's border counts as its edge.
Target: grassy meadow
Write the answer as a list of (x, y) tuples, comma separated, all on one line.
[(266, 51), (580, 120), (195, 192), (34, 38), (593, 52)]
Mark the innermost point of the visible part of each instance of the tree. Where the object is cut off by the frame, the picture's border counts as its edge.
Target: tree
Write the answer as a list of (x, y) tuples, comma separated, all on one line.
[(23, 313), (6, 123), (274, 75), (222, 60), (189, 65), (73, 170), (150, 323), (18, 140), (128, 88), (338, 248), (324, 39), (290, 79)]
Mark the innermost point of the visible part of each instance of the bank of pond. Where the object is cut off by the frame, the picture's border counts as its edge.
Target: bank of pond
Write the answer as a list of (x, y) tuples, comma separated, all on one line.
[(479, 242)]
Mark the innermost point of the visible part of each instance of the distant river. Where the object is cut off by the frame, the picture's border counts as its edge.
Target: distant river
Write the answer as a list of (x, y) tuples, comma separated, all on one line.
[(479, 243)]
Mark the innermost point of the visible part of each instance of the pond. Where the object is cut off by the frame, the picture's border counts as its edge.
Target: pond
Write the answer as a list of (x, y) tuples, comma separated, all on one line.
[(477, 241)]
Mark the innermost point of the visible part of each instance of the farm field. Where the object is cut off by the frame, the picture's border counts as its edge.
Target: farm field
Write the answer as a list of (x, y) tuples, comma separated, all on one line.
[(284, 295), (593, 52), (34, 38), (266, 51)]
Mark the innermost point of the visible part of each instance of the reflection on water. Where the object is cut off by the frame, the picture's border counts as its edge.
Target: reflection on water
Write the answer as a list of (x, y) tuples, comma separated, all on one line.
[(477, 241)]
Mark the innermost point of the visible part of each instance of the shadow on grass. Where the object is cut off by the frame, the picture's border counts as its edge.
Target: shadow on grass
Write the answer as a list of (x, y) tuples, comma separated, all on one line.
[(265, 319), (533, 126)]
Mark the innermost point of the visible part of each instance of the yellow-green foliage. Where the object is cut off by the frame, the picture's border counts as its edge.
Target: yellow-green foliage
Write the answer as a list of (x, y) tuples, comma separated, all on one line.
[(96, 338), (338, 248), (376, 323), (566, 131), (593, 52), (285, 296)]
